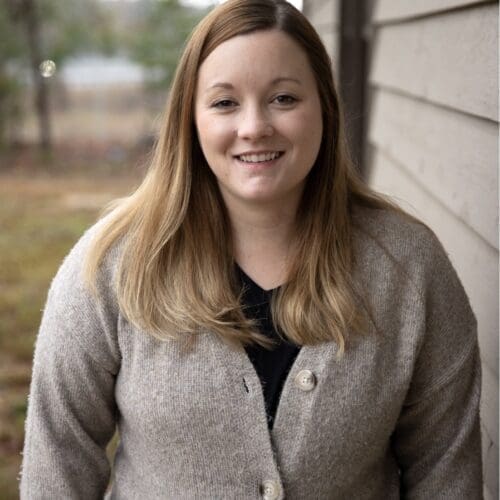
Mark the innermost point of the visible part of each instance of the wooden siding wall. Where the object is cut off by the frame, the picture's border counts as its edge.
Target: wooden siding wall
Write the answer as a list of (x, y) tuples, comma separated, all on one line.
[(433, 135), (325, 16), (433, 145)]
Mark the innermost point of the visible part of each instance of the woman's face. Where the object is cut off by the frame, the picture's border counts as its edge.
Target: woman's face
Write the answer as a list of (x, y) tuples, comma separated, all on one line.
[(258, 118)]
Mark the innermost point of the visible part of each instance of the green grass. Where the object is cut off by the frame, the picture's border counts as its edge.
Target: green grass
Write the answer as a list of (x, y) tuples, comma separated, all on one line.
[(38, 226), (33, 242), (9, 470)]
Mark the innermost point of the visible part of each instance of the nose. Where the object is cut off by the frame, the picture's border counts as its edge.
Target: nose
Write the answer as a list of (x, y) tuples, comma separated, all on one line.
[(254, 123)]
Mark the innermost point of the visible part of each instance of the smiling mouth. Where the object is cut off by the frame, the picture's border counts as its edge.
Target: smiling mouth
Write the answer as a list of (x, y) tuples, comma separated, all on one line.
[(260, 157)]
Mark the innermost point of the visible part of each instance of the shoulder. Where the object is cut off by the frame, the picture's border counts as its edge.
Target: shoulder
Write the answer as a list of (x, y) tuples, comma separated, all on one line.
[(72, 270), (399, 245), (404, 271), (400, 257), (76, 313), (395, 233)]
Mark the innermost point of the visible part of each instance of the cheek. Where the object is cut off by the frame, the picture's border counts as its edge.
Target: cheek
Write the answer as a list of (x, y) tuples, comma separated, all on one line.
[(214, 135), (315, 120), (203, 129), (306, 130)]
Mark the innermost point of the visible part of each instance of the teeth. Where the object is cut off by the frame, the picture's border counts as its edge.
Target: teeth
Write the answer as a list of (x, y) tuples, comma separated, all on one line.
[(257, 158)]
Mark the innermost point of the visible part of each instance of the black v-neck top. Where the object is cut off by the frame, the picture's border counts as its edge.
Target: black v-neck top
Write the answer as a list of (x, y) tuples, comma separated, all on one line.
[(272, 366)]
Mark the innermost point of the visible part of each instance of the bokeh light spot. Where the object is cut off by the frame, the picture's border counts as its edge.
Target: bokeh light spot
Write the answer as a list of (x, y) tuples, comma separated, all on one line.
[(47, 68)]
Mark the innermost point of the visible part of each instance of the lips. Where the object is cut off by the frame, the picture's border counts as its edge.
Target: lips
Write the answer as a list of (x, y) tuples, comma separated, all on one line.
[(259, 157)]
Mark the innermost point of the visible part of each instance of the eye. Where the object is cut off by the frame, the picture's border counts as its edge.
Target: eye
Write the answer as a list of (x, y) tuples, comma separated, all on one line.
[(224, 104), (285, 99)]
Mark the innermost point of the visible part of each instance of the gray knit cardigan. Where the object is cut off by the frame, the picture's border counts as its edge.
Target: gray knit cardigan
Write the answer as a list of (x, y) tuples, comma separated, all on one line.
[(396, 417)]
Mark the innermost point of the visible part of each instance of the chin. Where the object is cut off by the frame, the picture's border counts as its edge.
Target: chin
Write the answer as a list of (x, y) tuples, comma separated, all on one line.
[(263, 198)]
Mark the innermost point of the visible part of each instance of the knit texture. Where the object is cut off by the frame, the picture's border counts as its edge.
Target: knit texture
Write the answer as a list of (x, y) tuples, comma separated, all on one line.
[(396, 417)]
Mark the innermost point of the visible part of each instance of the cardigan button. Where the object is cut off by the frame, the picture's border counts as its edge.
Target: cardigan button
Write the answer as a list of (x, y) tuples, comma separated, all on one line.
[(305, 380), (270, 490)]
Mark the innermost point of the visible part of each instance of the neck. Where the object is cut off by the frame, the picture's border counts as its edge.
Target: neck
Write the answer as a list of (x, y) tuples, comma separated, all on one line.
[(263, 237)]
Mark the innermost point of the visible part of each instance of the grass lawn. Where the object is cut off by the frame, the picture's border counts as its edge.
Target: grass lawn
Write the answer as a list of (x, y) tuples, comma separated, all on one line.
[(42, 214)]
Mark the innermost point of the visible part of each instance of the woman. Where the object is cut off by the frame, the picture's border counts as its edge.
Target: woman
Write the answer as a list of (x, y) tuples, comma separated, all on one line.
[(253, 268)]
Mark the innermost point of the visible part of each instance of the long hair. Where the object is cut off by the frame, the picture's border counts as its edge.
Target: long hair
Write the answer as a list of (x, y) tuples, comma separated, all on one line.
[(176, 276)]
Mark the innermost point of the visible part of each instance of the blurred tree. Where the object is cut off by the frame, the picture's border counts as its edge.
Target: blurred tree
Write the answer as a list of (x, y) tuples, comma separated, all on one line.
[(160, 31), (50, 30), (26, 12), (11, 49)]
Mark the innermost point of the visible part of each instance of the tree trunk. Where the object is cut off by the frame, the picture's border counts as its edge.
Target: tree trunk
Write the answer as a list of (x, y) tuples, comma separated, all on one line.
[(31, 21)]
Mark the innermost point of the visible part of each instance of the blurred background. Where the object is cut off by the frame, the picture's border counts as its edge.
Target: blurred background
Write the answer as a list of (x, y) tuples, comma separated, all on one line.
[(82, 87)]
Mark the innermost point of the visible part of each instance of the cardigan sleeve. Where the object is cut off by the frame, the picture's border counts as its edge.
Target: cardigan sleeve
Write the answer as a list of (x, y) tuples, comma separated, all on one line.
[(72, 411), (437, 439)]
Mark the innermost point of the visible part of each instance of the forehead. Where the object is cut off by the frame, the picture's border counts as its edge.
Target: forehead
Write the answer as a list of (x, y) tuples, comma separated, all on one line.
[(256, 58)]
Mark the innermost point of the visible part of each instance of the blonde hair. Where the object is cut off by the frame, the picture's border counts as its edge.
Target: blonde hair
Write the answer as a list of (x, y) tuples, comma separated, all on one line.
[(176, 274)]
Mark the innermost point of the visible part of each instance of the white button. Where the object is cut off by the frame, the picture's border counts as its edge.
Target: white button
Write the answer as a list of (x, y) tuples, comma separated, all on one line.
[(270, 490), (305, 380)]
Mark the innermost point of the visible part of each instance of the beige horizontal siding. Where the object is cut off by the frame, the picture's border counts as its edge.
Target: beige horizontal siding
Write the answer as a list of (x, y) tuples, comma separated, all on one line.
[(449, 152), (325, 17), (447, 59), (489, 420), (323, 13), (331, 41), (390, 10), (487, 495), (490, 464), (489, 408)]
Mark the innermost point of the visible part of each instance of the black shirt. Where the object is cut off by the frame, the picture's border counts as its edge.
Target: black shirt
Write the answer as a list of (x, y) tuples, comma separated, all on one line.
[(272, 366)]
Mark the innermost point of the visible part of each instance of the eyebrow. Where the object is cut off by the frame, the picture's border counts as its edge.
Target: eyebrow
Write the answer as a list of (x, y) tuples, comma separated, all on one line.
[(226, 85)]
